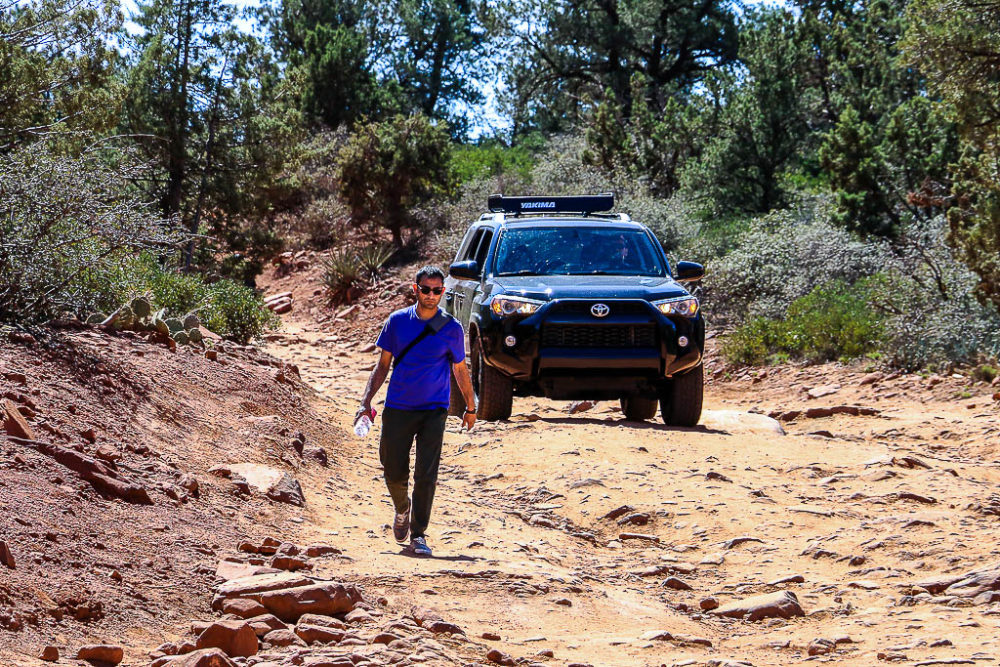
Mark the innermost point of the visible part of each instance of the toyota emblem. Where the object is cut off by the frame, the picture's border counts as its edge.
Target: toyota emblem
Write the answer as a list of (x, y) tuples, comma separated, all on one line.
[(599, 310)]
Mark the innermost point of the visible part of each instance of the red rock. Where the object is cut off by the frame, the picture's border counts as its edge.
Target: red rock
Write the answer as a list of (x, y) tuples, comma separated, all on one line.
[(319, 550), (234, 638), (327, 599), (108, 453), (209, 657), (500, 658), (384, 638), (283, 637), (265, 623), (322, 621), (289, 563), (102, 652), (443, 627), (313, 634), (14, 422), (19, 378), (49, 654), (6, 557), (783, 604), (491, 636), (243, 607)]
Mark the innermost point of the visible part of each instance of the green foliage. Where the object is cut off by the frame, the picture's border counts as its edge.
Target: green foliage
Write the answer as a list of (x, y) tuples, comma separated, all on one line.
[(833, 321), (67, 227), (57, 71), (762, 128), (388, 169), (372, 258), (342, 273), (957, 44), (493, 159), (235, 311), (567, 52)]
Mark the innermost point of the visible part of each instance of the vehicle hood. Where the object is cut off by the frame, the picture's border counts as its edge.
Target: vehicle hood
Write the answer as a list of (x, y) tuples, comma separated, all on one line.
[(547, 288)]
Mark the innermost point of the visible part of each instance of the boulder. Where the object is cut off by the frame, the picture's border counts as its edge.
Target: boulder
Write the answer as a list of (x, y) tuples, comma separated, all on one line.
[(322, 621), (234, 638), (101, 653), (329, 598), (209, 657), (313, 634), (780, 604), (271, 482), (49, 654), (265, 623), (255, 584), (243, 607), (283, 637)]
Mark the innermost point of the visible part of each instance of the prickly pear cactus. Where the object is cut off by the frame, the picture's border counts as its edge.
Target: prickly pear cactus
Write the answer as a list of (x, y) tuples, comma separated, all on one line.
[(174, 325), (141, 307), (160, 325), (191, 321), (181, 337), (194, 335), (96, 318)]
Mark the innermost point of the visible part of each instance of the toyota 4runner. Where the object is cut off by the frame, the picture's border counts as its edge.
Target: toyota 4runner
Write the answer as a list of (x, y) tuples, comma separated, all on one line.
[(562, 300)]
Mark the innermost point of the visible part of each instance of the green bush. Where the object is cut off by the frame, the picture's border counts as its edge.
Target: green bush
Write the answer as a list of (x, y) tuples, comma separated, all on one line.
[(833, 321), (69, 231), (372, 258), (492, 158), (237, 312), (341, 272)]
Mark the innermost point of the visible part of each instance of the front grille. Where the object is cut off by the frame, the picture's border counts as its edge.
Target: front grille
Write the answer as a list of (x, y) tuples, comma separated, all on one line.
[(617, 307), (611, 335)]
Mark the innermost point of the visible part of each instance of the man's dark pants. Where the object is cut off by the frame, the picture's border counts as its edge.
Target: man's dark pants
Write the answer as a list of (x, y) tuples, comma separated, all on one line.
[(399, 427)]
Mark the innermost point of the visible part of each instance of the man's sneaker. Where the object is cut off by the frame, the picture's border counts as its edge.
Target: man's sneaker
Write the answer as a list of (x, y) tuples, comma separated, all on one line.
[(419, 546), (401, 526)]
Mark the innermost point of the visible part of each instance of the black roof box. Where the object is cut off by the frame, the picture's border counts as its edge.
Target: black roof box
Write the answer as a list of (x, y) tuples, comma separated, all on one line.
[(584, 204)]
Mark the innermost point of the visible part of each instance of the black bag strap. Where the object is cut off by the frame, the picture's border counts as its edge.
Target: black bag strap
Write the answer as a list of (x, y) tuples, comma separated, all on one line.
[(434, 325)]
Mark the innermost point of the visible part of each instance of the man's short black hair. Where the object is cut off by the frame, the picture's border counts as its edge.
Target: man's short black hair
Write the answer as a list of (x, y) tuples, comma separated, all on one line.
[(429, 272)]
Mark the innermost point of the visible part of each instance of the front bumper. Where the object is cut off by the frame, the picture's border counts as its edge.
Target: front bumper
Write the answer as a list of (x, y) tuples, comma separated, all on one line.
[(563, 339)]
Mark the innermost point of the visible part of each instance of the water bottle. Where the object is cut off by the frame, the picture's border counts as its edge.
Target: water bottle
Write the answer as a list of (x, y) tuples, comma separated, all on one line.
[(364, 423)]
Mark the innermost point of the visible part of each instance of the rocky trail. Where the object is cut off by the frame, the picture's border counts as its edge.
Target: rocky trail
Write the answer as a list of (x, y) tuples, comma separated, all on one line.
[(175, 509)]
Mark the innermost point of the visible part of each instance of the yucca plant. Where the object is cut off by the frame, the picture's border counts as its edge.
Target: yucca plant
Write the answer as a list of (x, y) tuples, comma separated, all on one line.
[(373, 258), (342, 275)]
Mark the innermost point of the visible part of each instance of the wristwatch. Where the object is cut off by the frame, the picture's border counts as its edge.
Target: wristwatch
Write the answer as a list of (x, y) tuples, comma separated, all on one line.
[(470, 412)]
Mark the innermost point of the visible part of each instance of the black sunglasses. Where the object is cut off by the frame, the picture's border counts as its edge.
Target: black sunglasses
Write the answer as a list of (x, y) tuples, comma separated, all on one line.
[(424, 289)]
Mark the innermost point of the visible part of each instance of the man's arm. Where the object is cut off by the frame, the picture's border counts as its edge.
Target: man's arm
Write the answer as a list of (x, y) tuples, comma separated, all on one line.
[(375, 380), (464, 381)]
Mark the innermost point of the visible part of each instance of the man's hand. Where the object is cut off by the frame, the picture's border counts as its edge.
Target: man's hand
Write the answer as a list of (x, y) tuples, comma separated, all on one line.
[(469, 420), (365, 409)]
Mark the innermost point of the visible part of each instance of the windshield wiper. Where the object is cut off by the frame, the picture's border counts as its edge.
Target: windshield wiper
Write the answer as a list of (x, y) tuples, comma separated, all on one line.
[(522, 272)]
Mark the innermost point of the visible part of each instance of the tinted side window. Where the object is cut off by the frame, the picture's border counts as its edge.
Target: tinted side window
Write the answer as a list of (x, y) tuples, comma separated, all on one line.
[(470, 250), (484, 248)]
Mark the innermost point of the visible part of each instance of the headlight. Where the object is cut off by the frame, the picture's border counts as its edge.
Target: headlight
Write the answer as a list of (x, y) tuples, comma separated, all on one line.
[(504, 306), (686, 306)]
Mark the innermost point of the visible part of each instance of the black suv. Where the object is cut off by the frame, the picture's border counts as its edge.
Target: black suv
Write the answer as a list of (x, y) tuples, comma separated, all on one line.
[(563, 301)]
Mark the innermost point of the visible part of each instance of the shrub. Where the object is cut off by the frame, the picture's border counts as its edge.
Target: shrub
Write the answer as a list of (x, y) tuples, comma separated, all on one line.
[(492, 158), (833, 321), (342, 275), (388, 169), (237, 312), (372, 258), (67, 227), (782, 257)]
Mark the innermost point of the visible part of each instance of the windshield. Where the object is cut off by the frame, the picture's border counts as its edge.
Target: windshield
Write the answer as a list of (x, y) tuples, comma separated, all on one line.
[(587, 250)]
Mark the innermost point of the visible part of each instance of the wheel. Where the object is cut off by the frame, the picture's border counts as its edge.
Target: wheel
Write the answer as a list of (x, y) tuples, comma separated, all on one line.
[(494, 391), (680, 400), (638, 408), (456, 406)]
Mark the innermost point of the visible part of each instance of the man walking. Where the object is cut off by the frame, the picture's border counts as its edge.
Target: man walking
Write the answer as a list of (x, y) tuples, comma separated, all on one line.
[(427, 345)]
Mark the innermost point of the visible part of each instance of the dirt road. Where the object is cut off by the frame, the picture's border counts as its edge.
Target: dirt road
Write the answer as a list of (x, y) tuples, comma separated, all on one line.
[(600, 540)]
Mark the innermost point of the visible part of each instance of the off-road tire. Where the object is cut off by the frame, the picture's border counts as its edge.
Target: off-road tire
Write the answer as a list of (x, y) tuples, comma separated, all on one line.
[(494, 391), (456, 406), (638, 408), (681, 398)]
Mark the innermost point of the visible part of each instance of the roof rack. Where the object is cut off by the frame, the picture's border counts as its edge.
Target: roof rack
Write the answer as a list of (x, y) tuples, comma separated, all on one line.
[(582, 204)]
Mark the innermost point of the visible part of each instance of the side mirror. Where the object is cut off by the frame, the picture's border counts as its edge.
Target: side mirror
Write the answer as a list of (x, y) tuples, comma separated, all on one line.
[(467, 270), (689, 271)]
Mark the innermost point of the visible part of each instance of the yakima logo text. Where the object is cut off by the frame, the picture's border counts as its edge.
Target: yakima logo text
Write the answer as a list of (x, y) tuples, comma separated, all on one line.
[(538, 204)]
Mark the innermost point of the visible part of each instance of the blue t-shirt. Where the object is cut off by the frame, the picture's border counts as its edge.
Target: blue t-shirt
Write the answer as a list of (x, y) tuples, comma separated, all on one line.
[(422, 381)]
